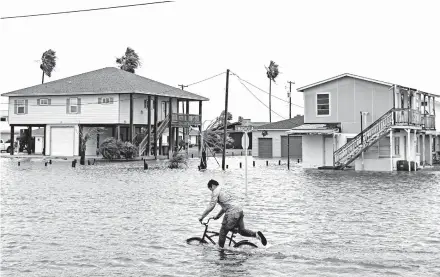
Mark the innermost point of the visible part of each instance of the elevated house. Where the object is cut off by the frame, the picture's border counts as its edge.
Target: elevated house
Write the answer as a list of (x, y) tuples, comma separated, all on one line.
[(373, 125), (122, 103), (271, 141)]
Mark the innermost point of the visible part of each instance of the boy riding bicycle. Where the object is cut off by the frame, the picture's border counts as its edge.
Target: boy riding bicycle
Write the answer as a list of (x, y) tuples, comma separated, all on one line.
[(233, 214)]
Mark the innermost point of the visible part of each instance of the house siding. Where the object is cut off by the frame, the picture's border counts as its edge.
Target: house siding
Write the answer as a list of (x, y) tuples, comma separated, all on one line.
[(55, 113), (276, 142), (348, 97)]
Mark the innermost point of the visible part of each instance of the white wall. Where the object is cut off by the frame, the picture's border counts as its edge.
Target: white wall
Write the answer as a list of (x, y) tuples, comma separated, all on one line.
[(313, 151), (91, 111), (275, 135)]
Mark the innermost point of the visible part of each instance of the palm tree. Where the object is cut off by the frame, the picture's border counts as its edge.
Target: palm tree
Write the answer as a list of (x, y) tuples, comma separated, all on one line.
[(272, 73), (48, 63), (130, 61)]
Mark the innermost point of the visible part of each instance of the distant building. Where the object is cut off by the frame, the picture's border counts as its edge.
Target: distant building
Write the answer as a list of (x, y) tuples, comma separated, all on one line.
[(271, 141), (372, 125)]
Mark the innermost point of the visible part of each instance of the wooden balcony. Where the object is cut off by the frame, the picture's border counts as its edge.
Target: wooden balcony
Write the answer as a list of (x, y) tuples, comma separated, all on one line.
[(185, 120), (410, 117)]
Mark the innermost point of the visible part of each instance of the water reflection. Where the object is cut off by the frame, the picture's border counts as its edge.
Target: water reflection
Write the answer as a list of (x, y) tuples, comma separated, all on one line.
[(118, 219)]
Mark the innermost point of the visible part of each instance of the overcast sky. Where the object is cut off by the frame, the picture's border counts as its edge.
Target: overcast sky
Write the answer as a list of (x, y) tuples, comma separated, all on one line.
[(189, 40)]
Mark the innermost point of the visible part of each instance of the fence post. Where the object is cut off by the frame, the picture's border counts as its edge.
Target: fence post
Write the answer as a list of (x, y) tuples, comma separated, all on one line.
[(254, 163), (145, 165), (240, 164), (267, 163)]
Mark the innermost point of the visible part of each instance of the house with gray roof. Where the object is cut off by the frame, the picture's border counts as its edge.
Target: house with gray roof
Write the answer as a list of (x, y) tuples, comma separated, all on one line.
[(271, 141), (121, 102)]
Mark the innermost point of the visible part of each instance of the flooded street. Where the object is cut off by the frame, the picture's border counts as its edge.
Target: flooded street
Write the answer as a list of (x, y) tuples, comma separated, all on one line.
[(115, 219)]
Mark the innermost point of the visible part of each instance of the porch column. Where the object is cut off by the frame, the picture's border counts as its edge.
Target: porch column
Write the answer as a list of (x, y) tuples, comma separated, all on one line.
[(149, 125), (44, 140), (156, 107), (391, 149), (29, 150), (408, 150), (423, 150), (176, 129), (200, 128), (186, 131), (12, 140), (131, 129), (170, 132), (430, 150), (118, 132)]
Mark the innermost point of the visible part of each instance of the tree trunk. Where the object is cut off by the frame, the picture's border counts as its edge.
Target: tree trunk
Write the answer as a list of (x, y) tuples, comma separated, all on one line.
[(42, 78), (270, 100), (82, 161)]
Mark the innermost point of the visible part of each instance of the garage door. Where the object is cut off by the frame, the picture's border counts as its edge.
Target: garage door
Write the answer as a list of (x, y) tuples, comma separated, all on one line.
[(62, 141), (265, 147), (295, 145)]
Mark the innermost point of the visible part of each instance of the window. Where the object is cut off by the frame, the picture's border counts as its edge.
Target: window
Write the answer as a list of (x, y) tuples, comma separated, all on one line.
[(397, 146), (43, 102), (20, 107), (322, 104), (3, 119), (73, 107), (105, 100)]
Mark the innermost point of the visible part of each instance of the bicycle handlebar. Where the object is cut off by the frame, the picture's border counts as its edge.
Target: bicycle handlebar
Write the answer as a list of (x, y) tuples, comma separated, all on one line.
[(206, 223)]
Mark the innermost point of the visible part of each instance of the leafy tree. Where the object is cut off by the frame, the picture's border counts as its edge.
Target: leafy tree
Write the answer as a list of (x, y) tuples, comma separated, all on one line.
[(272, 73), (48, 63), (130, 61), (214, 133)]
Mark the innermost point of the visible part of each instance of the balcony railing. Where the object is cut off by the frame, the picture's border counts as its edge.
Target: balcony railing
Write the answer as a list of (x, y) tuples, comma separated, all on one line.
[(407, 117), (428, 121), (185, 120)]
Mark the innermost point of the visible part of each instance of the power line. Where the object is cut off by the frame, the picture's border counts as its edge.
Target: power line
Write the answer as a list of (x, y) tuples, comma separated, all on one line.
[(266, 91), (86, 10), (239, 79)]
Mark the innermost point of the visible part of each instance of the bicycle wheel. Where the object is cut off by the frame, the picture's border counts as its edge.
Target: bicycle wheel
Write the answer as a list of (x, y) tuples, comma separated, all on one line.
[(245, 244), (195, 241)]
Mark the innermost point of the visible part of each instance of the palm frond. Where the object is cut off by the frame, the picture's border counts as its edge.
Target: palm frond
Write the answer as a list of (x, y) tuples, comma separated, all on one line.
[(48, 62), (272, 71)]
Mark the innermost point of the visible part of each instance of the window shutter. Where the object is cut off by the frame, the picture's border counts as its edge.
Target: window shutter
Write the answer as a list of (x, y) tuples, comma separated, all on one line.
[(68, 105), (99, 100), (15, 107), (25, 106), (111, 100), (48, 102), (79, 105), (38, 102)]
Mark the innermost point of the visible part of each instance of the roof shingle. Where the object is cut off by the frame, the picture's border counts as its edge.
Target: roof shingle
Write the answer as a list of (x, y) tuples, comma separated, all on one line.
[(284, 124), (104, 81)]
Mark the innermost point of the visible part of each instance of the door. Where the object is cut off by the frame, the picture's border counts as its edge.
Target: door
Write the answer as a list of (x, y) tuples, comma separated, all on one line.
[(265, 147), (62, 141), (328, 151), (295, 145)]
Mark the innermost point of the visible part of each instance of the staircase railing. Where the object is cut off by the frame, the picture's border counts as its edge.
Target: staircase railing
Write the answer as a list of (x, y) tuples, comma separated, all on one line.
[(352, 149), (160, 129)]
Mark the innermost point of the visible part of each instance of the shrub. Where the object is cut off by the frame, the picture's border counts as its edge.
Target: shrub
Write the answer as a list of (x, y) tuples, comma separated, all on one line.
[(112, 149), (176, 160)]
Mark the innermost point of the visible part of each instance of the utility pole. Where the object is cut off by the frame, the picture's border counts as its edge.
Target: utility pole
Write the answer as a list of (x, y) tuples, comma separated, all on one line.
[(290, 98), (225, 120)]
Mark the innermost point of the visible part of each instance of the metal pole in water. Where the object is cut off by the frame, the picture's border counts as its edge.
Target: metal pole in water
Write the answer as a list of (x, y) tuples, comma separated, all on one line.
[(245, 160)]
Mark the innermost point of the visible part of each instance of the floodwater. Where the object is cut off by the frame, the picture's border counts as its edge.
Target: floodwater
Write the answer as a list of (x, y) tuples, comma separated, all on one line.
[(115, 219)]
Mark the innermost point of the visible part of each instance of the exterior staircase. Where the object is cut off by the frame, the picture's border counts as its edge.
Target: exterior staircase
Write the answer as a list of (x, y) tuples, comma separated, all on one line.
[(160, 129), (352, 149)]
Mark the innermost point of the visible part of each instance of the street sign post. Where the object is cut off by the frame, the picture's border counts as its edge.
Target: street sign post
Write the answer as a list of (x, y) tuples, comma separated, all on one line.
[(245, 130)]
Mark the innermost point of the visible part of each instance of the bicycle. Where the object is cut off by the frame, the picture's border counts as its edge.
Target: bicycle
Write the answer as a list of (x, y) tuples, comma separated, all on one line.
[(198, 240)]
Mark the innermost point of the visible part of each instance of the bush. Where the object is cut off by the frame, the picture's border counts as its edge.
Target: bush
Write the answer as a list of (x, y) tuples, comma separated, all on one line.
[(176, 160), (115, 149)]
